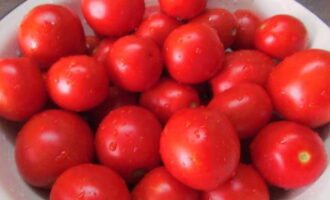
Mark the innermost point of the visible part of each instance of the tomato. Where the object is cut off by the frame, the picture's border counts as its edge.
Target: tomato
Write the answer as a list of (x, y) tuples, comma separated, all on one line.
[(200, 148), (157, 27), (135, 63), (289, 155), (159, 184), (167, 97), (92, 42), (77, 83), (51, 142), (193, 53), (182, 9), (222, 21), (300, 87), (49, 32), (242, 66), (247, 184), (113, 17), (102, 50), (89, 182), (247, 106), (281, 36), (127, 140), (151, 10), (22, 90), (247, 24)]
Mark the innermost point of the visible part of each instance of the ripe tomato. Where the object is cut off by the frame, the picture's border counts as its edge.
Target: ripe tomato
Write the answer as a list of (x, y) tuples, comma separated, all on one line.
[(247, 106), (281, 36), (102, 50), (300, 87), (77, 83), (51, 142), (127, 140), (242, 66), (89, 182), (135, 63), (289, 155), (22, 90), (200, 148), (247, 24), (193, 53), (157, 27), (159, 184), (92, 42), (247, 184), (49, 32), (182, 8), (222, 21), (169, 96), (113, 17)]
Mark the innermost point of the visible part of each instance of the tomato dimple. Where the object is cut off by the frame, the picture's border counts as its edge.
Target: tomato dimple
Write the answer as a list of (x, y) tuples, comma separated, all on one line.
[(304, 157)]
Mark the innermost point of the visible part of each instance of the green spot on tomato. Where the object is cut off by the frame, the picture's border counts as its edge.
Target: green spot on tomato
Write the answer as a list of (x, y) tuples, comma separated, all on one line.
[(304, 157)]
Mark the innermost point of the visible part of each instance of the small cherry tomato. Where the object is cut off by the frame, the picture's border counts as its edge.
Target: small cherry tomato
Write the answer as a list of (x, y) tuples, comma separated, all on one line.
[(288, 155), (182, 8), (151, 10), (193, 53), (49, 32), (127, 140), (135, 63), (89, 182), (200, 148), (102, 50), (92, 42), (113, 18), (281, 36), (247, 184), (51, 142), (159, 184)]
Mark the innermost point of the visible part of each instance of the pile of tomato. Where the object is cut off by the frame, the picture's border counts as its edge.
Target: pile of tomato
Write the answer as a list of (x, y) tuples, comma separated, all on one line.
[(176, 102)]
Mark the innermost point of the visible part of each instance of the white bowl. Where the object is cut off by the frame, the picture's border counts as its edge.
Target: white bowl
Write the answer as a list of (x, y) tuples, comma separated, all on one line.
[(12, 187)]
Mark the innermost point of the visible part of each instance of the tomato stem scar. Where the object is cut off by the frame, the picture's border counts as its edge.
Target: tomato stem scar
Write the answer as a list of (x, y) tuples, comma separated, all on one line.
[(304, 157)]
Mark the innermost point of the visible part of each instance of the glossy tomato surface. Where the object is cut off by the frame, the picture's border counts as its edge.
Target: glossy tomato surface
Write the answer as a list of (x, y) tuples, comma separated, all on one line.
[(92, 42), (101, 52), (182, 9)]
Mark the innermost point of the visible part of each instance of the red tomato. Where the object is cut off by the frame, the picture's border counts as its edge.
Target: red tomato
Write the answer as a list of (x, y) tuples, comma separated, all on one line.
[(242, 66), (127, 140), (289, 155), (135, 63), (247, 184), (51, 142), (193, 53), (247, 106), (222, 21), (92, 42), (169, 96), (281, 36), (151, 10), (200, 148), (159, 184), (247, 24), (113, 17), (22, 89), (49, 32), (102, 50), (77, 83), (300, 87), (89, 182), (182, 8), (157, 27)]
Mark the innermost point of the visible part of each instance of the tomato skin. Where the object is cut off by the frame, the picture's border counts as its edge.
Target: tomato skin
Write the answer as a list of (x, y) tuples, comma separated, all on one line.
[(182, 9), (102, 50), (289, 155), (77, 83), (200, 148), (193, 53), (92, 42), (49, 32), (51, 142), (135, 64), (167, 97), (300, 87), (22, 89), (114, 17), (247, 106), (222, 21), (153, 184), (157, 27), (281, 36), (242, 66), (127, 140), (89, 182)]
